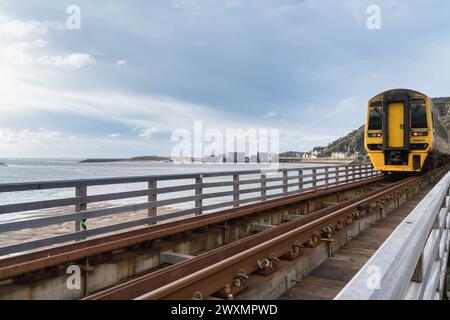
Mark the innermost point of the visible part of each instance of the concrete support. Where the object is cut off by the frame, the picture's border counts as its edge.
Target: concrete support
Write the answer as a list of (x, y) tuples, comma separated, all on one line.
[(256, 227), (173, 258)]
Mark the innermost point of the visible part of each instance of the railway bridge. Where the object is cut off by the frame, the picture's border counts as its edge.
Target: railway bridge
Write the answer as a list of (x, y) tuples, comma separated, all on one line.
[(329, 232)]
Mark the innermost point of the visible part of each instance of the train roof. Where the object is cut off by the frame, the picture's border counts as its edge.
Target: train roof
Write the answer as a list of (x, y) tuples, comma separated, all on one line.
[(399, 91)]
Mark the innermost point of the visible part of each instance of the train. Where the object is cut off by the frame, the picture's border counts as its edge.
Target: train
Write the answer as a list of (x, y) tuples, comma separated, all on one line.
[(407, 132)]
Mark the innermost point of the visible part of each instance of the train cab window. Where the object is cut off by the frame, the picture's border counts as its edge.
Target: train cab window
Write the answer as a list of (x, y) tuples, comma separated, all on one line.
[(376, 104), (375, 119), (418, 114)]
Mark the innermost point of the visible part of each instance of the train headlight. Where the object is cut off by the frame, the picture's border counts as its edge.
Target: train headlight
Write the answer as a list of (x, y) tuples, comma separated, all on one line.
[(419, 134), (375, 135)]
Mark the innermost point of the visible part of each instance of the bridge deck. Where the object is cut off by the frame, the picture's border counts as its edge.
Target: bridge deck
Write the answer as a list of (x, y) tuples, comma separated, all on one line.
[(328, 279)]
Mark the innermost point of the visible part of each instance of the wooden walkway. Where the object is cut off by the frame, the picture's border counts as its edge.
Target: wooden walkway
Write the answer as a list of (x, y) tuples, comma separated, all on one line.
[(328, 279)]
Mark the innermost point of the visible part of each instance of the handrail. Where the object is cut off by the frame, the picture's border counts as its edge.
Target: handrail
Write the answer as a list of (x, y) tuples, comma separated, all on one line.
[(203, 193), (412, 262)]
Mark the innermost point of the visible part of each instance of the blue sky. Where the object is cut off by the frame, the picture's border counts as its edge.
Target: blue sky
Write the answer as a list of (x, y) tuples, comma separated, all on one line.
[(136, 71)]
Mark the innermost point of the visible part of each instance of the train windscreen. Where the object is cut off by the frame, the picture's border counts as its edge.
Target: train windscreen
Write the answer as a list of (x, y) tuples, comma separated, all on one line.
[(375, 119), (418, 115)]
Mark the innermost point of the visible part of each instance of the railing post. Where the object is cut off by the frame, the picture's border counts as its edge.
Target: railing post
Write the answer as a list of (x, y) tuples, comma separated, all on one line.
[(347, 178), (199, 194), (353, 173), (337, 175), (326, 177), (314, 178), (285, 182), (263, 187), (300, 180), (152, 197), (80, 224), (236, 190), (418, 272)]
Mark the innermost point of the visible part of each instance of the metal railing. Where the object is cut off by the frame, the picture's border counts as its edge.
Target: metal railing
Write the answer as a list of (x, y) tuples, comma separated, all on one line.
[(412, 263), (203, 193)]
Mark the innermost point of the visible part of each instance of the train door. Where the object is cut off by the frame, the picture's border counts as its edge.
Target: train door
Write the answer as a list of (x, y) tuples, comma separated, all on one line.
[(396, 125)]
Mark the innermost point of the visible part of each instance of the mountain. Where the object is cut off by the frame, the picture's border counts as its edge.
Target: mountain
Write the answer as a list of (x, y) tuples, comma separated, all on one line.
[(443, 105), (350, 145)]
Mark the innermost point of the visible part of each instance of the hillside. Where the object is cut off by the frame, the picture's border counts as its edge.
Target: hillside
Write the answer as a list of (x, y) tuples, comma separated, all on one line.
[(350, 145), (444, 106)]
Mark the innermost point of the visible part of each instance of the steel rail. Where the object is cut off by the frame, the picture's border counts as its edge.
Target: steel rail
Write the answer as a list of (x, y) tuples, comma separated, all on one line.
[(164, 277), (38, 260), (212, 278)]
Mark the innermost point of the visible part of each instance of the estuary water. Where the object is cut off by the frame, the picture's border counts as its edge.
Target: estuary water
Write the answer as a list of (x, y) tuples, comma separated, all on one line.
[(31, 170)]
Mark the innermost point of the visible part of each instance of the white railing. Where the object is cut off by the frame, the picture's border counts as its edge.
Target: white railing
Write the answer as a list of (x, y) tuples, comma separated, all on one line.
[(412, 263)]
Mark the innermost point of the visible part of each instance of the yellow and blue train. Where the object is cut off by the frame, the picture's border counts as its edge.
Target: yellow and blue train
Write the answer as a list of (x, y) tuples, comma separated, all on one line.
[(406, 132)]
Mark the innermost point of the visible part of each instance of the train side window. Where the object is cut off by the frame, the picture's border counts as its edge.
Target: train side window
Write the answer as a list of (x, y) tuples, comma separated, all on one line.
[(419, 116), (375, 119)]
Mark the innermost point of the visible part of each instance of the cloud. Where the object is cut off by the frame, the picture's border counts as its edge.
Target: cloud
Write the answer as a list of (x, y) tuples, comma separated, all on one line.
[(18, 52), (122, 62), (114, 135), (147, 133), (347, 106), (230, 64), (17, 29), (26, 136), (73, 61), (21, 29), (271, 114), (47, 143), (201, 43), (20, 42)]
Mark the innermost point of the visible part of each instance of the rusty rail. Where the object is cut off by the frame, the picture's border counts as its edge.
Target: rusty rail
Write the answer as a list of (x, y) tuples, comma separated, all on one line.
[(208, 273)]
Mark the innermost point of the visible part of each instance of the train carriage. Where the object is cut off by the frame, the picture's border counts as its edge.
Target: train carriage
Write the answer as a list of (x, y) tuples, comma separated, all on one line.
[(405, 132)]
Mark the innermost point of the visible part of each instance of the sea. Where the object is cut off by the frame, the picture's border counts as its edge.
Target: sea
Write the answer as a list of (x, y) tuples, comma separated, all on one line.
[(33, 170)]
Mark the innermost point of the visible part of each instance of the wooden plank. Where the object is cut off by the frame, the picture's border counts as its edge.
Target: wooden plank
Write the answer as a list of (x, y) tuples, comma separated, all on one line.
[(328, 279), (406, 245)]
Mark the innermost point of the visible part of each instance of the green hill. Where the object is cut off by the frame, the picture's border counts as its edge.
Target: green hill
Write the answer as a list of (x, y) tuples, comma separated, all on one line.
[(350, 145)]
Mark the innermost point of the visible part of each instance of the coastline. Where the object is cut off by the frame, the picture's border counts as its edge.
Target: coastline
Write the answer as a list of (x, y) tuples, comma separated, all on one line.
[(317, 161), (15, 237), (134, 159)]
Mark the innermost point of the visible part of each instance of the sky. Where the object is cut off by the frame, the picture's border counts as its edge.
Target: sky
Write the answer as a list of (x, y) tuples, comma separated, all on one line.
[(135, 72)]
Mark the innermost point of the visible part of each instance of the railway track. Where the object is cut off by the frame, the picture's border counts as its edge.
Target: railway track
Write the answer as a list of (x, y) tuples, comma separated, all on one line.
[(287, 228), (224, 272)]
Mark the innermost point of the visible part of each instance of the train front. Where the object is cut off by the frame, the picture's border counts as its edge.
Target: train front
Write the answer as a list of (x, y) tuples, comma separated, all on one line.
[(398, 136)]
